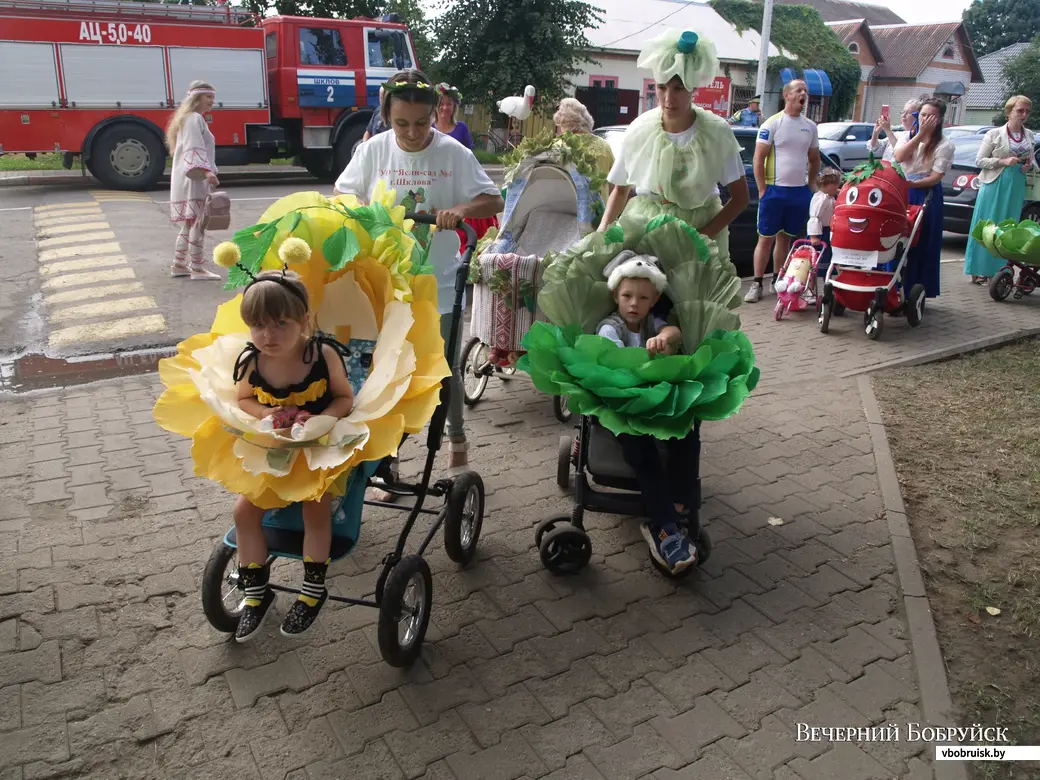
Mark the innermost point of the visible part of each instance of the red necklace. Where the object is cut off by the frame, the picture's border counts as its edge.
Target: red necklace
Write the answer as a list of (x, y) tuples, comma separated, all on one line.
[(1016, 138)]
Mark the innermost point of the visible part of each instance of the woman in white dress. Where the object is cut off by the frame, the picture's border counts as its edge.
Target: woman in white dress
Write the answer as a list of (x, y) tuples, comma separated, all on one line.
[(193, 178), (886, 145)]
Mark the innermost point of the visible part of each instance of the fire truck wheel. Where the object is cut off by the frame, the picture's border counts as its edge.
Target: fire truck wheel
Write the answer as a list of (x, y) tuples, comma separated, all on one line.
[(319, 164), (128, 157), (346, 144)]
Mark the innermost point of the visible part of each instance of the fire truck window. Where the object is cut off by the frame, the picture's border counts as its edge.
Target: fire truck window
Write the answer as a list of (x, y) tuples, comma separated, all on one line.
[(319, 46), (271, 45), (388, 49)]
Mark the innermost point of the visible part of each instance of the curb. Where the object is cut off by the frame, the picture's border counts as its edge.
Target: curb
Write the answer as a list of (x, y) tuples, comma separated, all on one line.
[(29, 180), (936, 702)]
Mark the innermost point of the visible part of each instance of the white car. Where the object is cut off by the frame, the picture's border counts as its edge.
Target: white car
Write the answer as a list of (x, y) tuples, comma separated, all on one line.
[(961, 131)]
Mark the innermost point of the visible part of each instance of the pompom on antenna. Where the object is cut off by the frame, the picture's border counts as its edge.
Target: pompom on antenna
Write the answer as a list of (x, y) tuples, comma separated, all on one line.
[(294, 251), (227, 254)]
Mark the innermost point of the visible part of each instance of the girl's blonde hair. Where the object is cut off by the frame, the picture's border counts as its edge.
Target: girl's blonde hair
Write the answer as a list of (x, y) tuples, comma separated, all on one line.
[(273, 297), (828, 176), (188, 106), (1013, 101), (572, 116)]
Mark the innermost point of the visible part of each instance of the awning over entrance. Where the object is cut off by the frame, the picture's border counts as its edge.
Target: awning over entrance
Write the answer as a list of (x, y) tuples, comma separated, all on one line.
[(817, 81), (950, 88)]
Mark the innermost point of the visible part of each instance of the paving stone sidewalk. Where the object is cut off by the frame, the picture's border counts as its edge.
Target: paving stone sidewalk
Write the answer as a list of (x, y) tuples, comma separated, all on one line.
[(108, 668)]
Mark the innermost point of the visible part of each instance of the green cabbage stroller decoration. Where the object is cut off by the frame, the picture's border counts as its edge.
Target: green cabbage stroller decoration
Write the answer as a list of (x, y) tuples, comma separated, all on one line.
[(1018, 244), (624, 388)]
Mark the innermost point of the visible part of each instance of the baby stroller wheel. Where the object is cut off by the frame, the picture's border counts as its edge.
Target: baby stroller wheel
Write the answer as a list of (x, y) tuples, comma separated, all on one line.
[(1000, 286), (825, 315), (475, 367), (560, 408), (547, 525), (564, 458), (915, 305), (778, 312), (565, 549), (464, 518), (873, 320), (222, 598), (404, 611)]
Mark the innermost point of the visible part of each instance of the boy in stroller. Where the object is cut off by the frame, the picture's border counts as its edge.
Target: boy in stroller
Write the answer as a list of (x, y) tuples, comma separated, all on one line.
[(636, 282)]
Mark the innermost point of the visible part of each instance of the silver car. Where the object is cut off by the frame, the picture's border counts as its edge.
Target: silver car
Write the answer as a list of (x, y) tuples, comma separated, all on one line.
[(963, 131), (846, 142)]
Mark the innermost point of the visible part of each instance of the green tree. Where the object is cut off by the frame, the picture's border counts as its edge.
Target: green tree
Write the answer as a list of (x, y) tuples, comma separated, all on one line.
[(333, 9), (494, 48), (994, 24), (1022, 75)]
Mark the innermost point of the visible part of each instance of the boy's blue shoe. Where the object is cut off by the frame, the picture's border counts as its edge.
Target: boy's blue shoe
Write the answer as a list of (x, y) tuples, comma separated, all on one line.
[(669, 546)]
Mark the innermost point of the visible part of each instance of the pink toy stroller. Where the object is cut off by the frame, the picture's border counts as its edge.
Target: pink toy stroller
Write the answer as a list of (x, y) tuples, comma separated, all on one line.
[(801, 263)]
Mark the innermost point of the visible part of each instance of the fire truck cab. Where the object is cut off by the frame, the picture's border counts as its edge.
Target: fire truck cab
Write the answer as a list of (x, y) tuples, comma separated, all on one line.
[(100, 79)]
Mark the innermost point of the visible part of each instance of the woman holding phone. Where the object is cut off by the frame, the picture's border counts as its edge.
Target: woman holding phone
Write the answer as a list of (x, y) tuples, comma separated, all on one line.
[(1005, 156), (885, 146)]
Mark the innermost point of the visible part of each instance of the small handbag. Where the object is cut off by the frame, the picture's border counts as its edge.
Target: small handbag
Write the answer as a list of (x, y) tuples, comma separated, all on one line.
[(216, 214)]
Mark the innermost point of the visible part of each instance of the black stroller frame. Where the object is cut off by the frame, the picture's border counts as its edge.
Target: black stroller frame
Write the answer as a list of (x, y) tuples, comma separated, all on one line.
[(404, 587), (563, 544)]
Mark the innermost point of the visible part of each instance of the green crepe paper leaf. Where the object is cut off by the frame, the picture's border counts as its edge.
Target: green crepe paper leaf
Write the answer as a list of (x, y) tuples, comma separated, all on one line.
[(666, 368), (1010, 240), (624, 358), (253, 242), (340, 248), (615, 234)]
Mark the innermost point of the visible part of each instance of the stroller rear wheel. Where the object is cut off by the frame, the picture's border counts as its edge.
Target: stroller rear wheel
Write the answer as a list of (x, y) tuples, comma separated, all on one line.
[(565, 549), (560, 408), (222, 597), (873, 319), (404, 611), (464, 517), (475, 365), (564, 458), (915, 305)]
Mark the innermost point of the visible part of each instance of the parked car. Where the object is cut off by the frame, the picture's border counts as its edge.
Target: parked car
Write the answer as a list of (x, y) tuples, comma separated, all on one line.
[(743, 231), (962, 131), (846, 142), (961, 187)]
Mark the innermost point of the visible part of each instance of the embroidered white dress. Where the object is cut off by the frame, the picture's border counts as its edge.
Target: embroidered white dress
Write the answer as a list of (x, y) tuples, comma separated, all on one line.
[(196, 151)]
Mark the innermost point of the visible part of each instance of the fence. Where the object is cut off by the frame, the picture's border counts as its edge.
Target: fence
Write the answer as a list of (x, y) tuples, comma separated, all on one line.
[(479, 120)]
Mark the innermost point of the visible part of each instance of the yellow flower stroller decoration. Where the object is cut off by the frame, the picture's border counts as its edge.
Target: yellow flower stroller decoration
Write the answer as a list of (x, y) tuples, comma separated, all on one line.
[(364, 277)]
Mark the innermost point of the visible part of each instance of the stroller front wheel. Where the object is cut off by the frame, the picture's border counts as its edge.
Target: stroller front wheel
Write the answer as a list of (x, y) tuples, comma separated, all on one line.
[(404, 611), (565, 549), (561, 409), (222, 596), (1000, 286)]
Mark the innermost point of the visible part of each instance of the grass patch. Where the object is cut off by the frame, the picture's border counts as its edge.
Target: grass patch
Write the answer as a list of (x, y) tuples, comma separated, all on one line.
[(965, 436), (487, 158), (43, 162)]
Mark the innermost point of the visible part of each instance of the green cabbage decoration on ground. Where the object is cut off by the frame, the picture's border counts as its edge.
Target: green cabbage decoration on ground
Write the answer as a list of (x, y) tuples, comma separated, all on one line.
[(1010, 240), (629, 391)]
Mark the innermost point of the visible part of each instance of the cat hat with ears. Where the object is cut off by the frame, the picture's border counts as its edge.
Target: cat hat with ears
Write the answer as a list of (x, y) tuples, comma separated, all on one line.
[(629, 265)]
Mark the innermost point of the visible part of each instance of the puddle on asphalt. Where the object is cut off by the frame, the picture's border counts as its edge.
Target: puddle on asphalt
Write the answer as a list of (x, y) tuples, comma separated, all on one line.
[(31, 371)]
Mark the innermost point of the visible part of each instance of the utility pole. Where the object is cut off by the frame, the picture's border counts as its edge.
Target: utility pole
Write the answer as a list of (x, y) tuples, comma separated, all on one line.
[(763, 51)]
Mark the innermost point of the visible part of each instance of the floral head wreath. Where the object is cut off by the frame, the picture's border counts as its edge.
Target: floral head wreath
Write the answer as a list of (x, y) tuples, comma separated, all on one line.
[(446, 90), (689, 56), (405, 86)]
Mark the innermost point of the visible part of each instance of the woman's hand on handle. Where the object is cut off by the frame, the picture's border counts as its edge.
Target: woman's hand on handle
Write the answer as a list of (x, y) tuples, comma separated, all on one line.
[(449, 219), (211, 177)]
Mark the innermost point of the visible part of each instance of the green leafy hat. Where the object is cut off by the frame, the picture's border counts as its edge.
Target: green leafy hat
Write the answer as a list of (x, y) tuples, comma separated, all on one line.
[(687, 55)]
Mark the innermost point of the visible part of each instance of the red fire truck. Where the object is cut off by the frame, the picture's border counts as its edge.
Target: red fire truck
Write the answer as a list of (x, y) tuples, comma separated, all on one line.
[(101, 78)]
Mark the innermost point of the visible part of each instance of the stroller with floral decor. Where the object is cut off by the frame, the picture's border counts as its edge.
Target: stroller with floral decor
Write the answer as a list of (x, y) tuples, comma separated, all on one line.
[(552, 200)]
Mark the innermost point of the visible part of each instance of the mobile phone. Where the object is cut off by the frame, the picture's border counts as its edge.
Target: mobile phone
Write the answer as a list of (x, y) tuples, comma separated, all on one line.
[(917, 124), (884, 112)]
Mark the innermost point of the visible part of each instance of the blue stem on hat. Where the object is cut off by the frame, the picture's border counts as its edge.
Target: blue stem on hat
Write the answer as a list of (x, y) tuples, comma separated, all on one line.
[(687, 42)]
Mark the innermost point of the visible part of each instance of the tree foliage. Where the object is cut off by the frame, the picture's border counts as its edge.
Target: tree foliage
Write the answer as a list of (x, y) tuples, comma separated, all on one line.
[(800, 30), (333, 9), (491, 49), (1022, 75), (994, 24)]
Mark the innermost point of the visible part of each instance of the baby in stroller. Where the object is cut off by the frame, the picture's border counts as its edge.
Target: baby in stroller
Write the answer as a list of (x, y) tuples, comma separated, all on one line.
[(637, 282)]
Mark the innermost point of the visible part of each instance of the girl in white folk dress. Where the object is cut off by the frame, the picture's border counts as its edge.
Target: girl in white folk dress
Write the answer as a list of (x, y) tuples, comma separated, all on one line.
[(193, 178)]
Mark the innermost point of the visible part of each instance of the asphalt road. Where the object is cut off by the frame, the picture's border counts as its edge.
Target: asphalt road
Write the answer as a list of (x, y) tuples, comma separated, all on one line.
[(88, 270)]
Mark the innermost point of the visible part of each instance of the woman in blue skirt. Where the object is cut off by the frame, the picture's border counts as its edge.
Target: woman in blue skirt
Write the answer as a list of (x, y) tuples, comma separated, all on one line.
[(1005, 156), (926, 157)]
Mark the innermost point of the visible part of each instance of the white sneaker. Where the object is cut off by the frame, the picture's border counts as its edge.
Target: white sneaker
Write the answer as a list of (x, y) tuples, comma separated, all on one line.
[(770, 290), (810, 298), (754, 293)]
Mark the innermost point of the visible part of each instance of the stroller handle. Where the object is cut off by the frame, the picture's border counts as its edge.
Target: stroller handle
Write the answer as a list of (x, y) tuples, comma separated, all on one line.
[(431, 219)]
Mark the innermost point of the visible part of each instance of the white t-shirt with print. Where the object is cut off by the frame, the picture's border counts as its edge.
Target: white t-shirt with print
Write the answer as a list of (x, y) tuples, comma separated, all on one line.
[(618, 176), (790, 139), (444, 174)]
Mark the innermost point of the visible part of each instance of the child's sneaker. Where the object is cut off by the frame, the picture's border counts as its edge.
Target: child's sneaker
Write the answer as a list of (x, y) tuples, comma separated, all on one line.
[(669, 546), (301, 616), (810, 297), (754, 293), (258, 600)]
